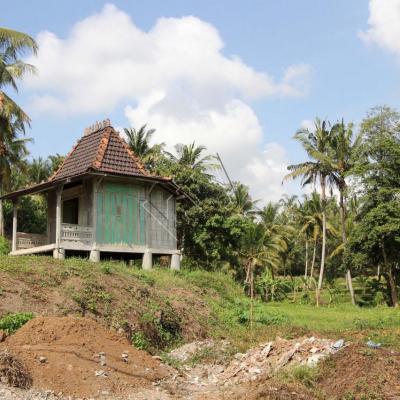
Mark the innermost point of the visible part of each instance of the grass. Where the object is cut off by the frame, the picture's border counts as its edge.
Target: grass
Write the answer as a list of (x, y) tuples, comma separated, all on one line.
[(115, 291)]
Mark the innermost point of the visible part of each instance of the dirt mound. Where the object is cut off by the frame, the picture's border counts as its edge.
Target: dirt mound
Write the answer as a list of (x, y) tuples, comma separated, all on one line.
[(360, 373), (79, 357)]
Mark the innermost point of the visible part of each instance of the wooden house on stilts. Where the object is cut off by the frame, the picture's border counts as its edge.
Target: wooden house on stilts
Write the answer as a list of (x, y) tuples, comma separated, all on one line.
[(102, 199)]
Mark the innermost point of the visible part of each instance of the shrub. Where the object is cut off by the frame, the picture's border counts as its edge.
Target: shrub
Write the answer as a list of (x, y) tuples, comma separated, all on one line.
[(10, 323), (140, 341), (4, 246)]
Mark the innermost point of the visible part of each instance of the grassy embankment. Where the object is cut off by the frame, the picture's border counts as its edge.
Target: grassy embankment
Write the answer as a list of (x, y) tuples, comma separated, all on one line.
[(160, 308)]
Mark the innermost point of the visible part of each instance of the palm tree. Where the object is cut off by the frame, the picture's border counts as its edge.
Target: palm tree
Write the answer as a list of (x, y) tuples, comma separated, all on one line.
[(341, 160), (311, 222), (12, 118), (139, 143), (11, 158), (191, 156), (243, 203), (277, 234), (316, 144), (39, 170)]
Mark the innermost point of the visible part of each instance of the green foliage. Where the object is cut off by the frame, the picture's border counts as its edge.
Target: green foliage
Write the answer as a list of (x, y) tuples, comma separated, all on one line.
[(4, 246), (90, 297), (140, 341), (32, 214), (10, 323), (305, 375)]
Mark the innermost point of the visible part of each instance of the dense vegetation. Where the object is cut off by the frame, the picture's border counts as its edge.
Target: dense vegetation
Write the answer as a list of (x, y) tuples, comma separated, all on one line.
[(348, 226)]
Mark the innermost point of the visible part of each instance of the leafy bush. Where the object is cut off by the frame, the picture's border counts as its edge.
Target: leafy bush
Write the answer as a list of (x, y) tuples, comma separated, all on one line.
[(140, 341), (91, 297), (10, 323), (4, 246)]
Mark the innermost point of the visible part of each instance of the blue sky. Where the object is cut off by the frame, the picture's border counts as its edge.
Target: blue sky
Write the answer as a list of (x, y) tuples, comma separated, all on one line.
[(311, 50)]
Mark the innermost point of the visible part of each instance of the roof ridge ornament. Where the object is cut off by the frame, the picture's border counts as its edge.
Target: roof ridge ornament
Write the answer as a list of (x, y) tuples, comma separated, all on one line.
[(97, 126)]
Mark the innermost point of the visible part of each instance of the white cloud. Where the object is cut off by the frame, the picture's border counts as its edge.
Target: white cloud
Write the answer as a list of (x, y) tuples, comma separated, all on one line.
[(175, 78), (384, 25), (307, 124)]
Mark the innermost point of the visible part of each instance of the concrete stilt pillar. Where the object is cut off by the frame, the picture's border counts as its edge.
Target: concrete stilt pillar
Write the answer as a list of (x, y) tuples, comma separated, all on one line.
[(14, 228), (176, 262), (147, 260), (94, 256), (59, 254)]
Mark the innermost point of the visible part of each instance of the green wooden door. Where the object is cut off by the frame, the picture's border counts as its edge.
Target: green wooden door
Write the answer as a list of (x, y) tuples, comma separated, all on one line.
[(121, 215)]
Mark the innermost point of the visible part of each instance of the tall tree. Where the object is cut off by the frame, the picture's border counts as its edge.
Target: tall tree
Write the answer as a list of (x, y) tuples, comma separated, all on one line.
[(315, 143), (243, 203), (341, 159), (39, 170), (191, 156), (139, 142), (13, 119), (376, 236)]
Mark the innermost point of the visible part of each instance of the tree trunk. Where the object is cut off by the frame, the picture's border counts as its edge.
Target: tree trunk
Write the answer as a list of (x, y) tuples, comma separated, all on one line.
[(344, 240), (1, 212), (251, 295), (266, 294), (322, 266), (313, 258), (306, 268), (390, 278)]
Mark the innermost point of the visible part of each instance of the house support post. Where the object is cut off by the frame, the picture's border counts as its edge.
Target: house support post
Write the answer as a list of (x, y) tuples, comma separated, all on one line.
[(94, 256), (176, 262), (14, 226), (147, 263), (94, 253), (58, 252)]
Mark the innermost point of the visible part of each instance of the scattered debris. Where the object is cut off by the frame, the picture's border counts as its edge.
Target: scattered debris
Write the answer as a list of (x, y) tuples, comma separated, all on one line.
[(100, 372), (338, 345), (42, 360), (187, 351), (262, 361), (372, 345)]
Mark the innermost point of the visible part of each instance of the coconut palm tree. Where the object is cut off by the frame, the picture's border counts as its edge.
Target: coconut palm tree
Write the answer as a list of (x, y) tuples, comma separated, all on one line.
[(139, 143), (13, 119), (39, 170), (278, 233), (311, 222), (12, 158), (191, 156), (243, 203), (342, 159), (315, 143)]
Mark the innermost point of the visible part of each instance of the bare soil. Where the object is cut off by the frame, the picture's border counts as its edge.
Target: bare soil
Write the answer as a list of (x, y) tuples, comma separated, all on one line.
[(362, 373), (111, 299), (65, 355)]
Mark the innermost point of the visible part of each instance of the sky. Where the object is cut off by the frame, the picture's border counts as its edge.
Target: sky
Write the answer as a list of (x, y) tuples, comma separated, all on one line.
[(240, 77)]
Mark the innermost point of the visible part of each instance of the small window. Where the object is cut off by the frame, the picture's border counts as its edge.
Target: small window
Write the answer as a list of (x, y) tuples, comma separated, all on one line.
[(71, 211)]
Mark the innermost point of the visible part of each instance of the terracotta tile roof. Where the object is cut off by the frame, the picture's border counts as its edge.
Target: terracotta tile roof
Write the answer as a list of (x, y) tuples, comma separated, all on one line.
[(101, 151)]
